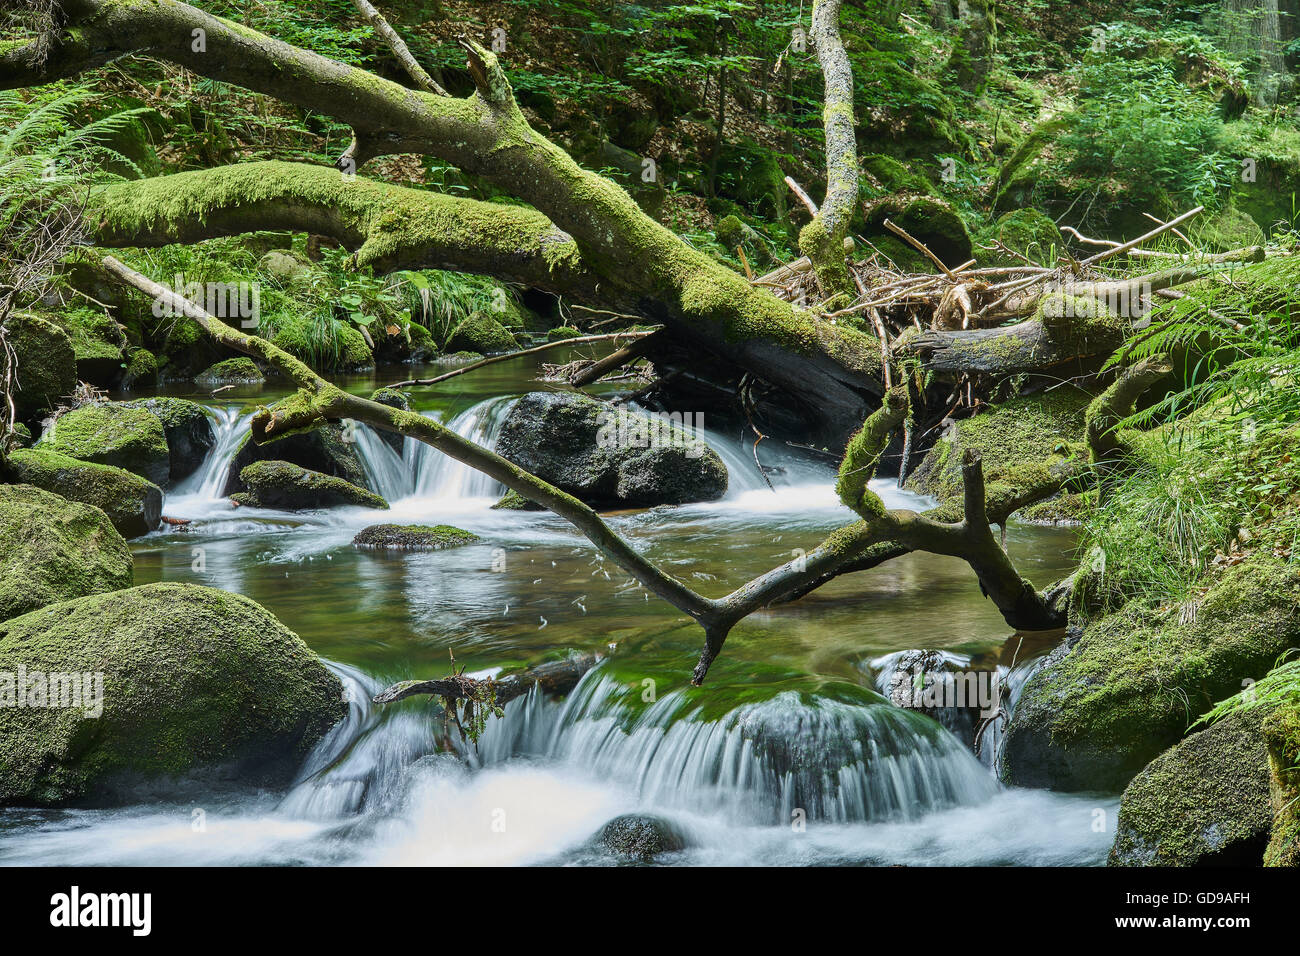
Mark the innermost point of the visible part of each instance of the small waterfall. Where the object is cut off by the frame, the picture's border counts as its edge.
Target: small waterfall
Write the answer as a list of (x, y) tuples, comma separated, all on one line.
[(361, 762), (424, 472), (231, 424), (835, 760)]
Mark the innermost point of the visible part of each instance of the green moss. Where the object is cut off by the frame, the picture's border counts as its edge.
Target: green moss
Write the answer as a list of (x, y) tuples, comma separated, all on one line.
[(192, 678), (1202, 802), (234, 371), (413, 537), (329, 346), (112, 434), (279, 484), (1018, 440), (481, 332), (888, 175), (1026, 231), (52, 549), (1137, 678), (141, 369), (1282, 735), (514, 501), (132, 504), (47, 365)]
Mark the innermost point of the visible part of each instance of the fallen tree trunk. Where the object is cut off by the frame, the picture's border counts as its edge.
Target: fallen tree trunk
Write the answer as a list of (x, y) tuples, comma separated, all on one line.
[(642, 267)]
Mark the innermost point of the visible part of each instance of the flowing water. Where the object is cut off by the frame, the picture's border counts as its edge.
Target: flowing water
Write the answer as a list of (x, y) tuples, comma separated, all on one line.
[(787, 755)]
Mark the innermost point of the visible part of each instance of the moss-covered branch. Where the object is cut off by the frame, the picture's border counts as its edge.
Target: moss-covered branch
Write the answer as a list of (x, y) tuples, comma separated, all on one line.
[(389, 227)]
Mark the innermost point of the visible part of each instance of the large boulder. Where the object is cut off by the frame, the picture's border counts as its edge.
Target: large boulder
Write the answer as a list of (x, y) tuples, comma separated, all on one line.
[(609, 457), (132, 504), (327, 449), (52, 549), (189, 432), (113, 434), (1203, 802), (929, 219), (47, 365), (166, 681), (279, 484), (1116, 695)]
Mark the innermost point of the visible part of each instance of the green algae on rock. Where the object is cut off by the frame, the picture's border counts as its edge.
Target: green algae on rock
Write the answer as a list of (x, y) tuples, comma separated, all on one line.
[(280, 484), (113, 434), (132, 504), (413, 537), (52, 550), (187, 680)]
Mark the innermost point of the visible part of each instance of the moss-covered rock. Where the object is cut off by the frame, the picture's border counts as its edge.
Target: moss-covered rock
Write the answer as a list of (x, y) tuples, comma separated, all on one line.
[(52, 549), (481, 332), (235, 371), (98, 343), (141, 370), (1017, 440), (47, 365), (562, 332), (609, 457), (1203, 802), (189, 432), (113, 434), (1282, 736), (1229, 228), (1026, 231), (929, 219), (279, 484), (886, 175), (1126, 688), (514, 501), (182, 680), (132, 504), (413, 537), (327, 449)]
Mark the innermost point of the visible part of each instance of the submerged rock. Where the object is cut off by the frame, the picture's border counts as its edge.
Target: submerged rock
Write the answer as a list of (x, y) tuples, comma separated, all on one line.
[(1203, 802), (47, 365), (235, 371), (166, 680), (113, 434), (326, 449), (413, 537), (1125, 689), (189, 432), (609, 457), (52, 549), (132, 504), (641, 837), (280, 484)]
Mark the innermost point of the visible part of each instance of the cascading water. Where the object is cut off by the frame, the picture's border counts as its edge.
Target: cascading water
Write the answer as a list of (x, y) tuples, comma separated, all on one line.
[(835, 760), (421, 471), (231, 424), (877, 783)]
